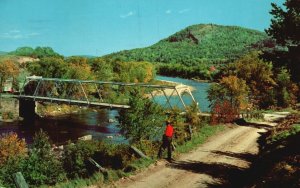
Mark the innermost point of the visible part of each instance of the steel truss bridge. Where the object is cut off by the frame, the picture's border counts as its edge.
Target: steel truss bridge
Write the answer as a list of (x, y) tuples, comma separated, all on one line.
[(99, 93)]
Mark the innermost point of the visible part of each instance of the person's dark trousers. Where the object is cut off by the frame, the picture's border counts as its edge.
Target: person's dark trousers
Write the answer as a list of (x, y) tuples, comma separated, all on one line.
[(166, 144)]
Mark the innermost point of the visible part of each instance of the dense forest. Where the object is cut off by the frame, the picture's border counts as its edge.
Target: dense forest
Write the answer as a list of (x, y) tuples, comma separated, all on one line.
[(192, 51)]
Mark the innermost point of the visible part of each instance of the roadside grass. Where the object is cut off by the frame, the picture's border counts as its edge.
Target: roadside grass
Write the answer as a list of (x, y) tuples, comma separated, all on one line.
[(290, 109), (199, 138), (286, 133), (96, 179)]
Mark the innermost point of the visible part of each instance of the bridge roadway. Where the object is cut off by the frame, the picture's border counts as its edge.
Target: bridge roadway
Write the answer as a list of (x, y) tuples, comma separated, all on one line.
[(72, 102)]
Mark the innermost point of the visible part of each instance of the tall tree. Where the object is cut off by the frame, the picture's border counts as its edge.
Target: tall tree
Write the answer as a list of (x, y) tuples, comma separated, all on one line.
[(142, 120), (285, 29)]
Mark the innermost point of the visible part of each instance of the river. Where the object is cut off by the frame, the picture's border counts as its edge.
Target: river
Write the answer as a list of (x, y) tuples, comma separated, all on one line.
[(98, 123)]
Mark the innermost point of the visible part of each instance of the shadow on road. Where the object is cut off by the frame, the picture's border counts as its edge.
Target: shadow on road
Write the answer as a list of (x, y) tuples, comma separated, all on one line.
[(242, 122), (244, 156), (225, 173)]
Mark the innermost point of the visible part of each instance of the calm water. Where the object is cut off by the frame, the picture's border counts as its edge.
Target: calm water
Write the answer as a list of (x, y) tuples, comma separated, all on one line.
[(200, 92), (93, 122)]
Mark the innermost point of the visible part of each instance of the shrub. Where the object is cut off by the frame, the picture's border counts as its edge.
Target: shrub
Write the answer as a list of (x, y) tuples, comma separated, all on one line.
[(11, 148), (43, 166), (115, 156), (13, 151), (75, 158), (149, 148), (180, 128), (223, 112), (192, 117), (8, 169)]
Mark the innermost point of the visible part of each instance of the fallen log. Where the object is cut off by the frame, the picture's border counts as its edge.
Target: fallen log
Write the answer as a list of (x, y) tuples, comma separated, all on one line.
[(139, 152)]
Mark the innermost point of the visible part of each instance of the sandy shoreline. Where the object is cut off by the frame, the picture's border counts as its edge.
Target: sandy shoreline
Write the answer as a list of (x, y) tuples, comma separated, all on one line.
[(168, 91)]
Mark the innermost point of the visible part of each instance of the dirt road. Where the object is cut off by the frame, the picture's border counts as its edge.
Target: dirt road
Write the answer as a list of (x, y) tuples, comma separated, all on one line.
[(214, 164)]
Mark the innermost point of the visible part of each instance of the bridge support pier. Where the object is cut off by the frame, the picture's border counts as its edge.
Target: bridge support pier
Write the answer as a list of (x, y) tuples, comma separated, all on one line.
[(27, 109)]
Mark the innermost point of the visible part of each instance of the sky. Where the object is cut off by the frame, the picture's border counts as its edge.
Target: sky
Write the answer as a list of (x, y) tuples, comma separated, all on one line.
[(99, 27)]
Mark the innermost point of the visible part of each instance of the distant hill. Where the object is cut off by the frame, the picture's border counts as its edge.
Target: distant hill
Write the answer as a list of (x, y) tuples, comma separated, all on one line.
[(84, 56), (2, 53), (203, 43), (38, 52)]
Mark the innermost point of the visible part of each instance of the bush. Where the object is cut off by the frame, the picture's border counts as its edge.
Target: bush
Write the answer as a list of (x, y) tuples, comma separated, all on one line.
[(180, 128), (43, 166), (13, 151), (149, 148), (75, 158), (11, 148), (192, 117), (115, 156), (223, 112)]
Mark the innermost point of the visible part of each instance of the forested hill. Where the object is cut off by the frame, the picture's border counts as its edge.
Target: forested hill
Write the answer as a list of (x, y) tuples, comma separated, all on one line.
[(196, 44)]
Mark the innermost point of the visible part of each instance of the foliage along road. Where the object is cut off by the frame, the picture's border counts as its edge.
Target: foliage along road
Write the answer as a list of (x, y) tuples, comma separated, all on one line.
[(217, 163)]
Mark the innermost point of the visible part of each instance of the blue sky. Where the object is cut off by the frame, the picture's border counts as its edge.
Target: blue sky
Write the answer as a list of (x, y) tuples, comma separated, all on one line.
[(98, 27)]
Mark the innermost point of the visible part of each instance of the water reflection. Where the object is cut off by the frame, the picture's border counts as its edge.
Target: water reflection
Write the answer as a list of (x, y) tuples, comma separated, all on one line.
[(69, 127)]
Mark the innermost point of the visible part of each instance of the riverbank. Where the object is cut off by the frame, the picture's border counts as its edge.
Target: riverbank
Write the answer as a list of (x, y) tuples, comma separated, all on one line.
[(54, 110), (170, 92)]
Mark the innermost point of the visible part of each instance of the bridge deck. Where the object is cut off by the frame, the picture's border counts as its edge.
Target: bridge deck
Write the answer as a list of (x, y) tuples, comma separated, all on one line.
[(71, 101)]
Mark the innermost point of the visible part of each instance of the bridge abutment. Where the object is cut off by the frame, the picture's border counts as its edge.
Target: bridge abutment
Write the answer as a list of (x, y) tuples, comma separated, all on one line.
[(27, 109)]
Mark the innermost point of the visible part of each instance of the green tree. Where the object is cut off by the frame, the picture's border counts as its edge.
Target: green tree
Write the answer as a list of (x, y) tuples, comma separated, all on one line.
[(286, 89), (38, 52), (24, 51), (78, 68), (142, 120), (102, 69), (134, 72), (285, 29), (49, 67)]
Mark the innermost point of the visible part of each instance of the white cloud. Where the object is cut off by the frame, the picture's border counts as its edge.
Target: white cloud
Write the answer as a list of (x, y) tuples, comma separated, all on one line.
[(15, 31), (131, 13), (33, 34), (11, 36), (16, 34), (168, 11), (184, 11)]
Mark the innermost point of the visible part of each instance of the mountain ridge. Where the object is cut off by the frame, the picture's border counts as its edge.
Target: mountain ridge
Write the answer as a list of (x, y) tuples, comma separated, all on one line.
[(196, 44)]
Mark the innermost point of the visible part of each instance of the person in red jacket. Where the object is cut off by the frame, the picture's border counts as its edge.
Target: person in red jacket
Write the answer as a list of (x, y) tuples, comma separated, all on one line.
[(167, 141)]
